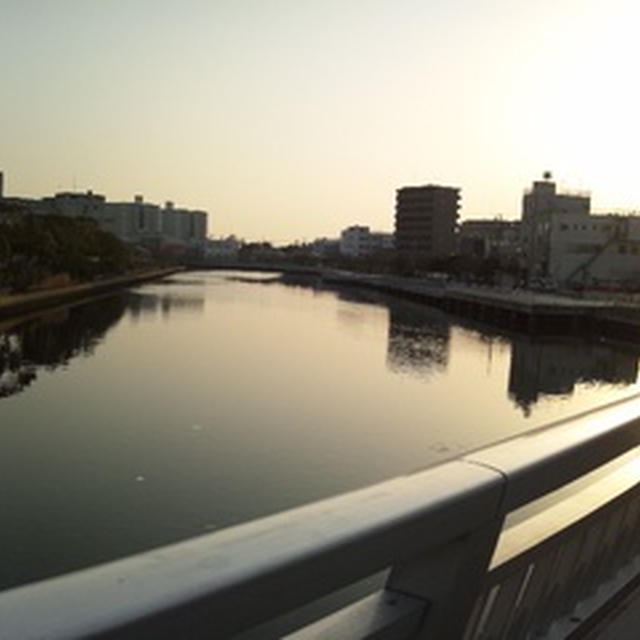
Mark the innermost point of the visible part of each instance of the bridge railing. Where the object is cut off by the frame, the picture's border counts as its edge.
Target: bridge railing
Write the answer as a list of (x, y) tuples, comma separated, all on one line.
[(453, 568)]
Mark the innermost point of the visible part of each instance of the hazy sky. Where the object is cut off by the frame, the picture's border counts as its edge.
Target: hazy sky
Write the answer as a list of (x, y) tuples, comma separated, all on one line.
[(291, 119)]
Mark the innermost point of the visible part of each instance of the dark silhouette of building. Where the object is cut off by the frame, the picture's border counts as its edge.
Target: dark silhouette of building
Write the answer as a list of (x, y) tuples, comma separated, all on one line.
[(418, 339), (548, 366), (426, 219)]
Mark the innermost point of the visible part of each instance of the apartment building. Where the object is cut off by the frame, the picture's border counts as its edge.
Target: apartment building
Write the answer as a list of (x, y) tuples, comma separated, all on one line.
[(426, 221)]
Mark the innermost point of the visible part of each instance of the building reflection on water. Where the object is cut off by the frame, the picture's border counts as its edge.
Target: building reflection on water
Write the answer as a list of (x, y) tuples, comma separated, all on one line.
[(145, 304), (550, 366), (53, 339), (418, 341)]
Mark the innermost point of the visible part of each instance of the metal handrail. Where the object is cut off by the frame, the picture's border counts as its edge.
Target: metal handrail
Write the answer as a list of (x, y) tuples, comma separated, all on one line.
[(436, 529)]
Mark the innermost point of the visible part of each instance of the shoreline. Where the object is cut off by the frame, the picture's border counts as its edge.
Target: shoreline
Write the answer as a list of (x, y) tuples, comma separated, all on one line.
[(525, 311), (25, 303)]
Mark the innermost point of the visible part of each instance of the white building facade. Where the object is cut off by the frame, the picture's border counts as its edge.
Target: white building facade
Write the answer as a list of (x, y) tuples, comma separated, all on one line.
[(136, 222), (542, 207), (595, 250), (357, 241)]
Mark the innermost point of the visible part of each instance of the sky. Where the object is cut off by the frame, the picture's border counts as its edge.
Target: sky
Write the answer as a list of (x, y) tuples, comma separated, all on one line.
[(289, 120)]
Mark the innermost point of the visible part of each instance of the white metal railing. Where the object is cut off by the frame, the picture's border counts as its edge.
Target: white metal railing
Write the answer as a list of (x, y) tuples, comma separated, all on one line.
[(453, 568)]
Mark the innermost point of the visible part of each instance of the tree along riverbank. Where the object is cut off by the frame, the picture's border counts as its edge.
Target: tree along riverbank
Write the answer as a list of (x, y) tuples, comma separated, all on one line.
[(46, 260), (38, 252)]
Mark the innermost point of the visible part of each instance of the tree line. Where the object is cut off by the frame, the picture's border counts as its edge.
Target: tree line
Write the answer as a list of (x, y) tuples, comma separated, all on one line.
[(36, 247)]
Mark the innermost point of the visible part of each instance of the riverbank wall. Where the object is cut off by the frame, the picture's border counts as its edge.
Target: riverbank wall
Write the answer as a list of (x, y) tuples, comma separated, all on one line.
[(22, 304), (520, 310)]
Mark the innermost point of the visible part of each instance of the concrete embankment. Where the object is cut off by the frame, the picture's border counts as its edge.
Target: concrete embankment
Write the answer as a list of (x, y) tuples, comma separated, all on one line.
[(516, 309), (21, 304)]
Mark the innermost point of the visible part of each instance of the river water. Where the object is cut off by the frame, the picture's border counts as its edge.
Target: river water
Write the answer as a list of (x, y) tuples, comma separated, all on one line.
[(207, 399)]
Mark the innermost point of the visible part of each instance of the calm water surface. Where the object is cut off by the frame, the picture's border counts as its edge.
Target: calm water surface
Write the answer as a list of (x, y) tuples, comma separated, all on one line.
[(191, 404)]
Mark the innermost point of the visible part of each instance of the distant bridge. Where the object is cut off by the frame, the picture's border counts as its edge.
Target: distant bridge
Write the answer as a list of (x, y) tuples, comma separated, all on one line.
[(450, 548)]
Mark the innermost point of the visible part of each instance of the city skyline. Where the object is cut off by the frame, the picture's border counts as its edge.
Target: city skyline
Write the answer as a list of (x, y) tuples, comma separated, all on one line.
[(290, 120)]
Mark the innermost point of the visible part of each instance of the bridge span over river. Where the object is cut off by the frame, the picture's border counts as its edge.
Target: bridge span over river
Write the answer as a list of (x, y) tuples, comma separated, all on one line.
[(536, 536)]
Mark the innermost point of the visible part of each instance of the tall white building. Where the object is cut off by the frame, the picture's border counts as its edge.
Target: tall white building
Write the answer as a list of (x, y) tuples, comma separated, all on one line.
[(149, 224)]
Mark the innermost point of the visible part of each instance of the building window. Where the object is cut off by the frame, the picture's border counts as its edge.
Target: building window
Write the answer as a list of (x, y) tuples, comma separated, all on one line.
[(622, 248), (564, 227)]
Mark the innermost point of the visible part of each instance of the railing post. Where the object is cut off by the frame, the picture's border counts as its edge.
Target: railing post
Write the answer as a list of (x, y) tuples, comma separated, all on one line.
[(450, 579)]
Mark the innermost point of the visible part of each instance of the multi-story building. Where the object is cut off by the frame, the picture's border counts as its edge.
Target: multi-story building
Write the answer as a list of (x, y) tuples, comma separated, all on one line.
[(325, 248), (136, 222), (541, 206), (595, 250), (486, 238), (75, 205), (561, 240), (425, 223), (381, 241), (357, 241), (154, 226)]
